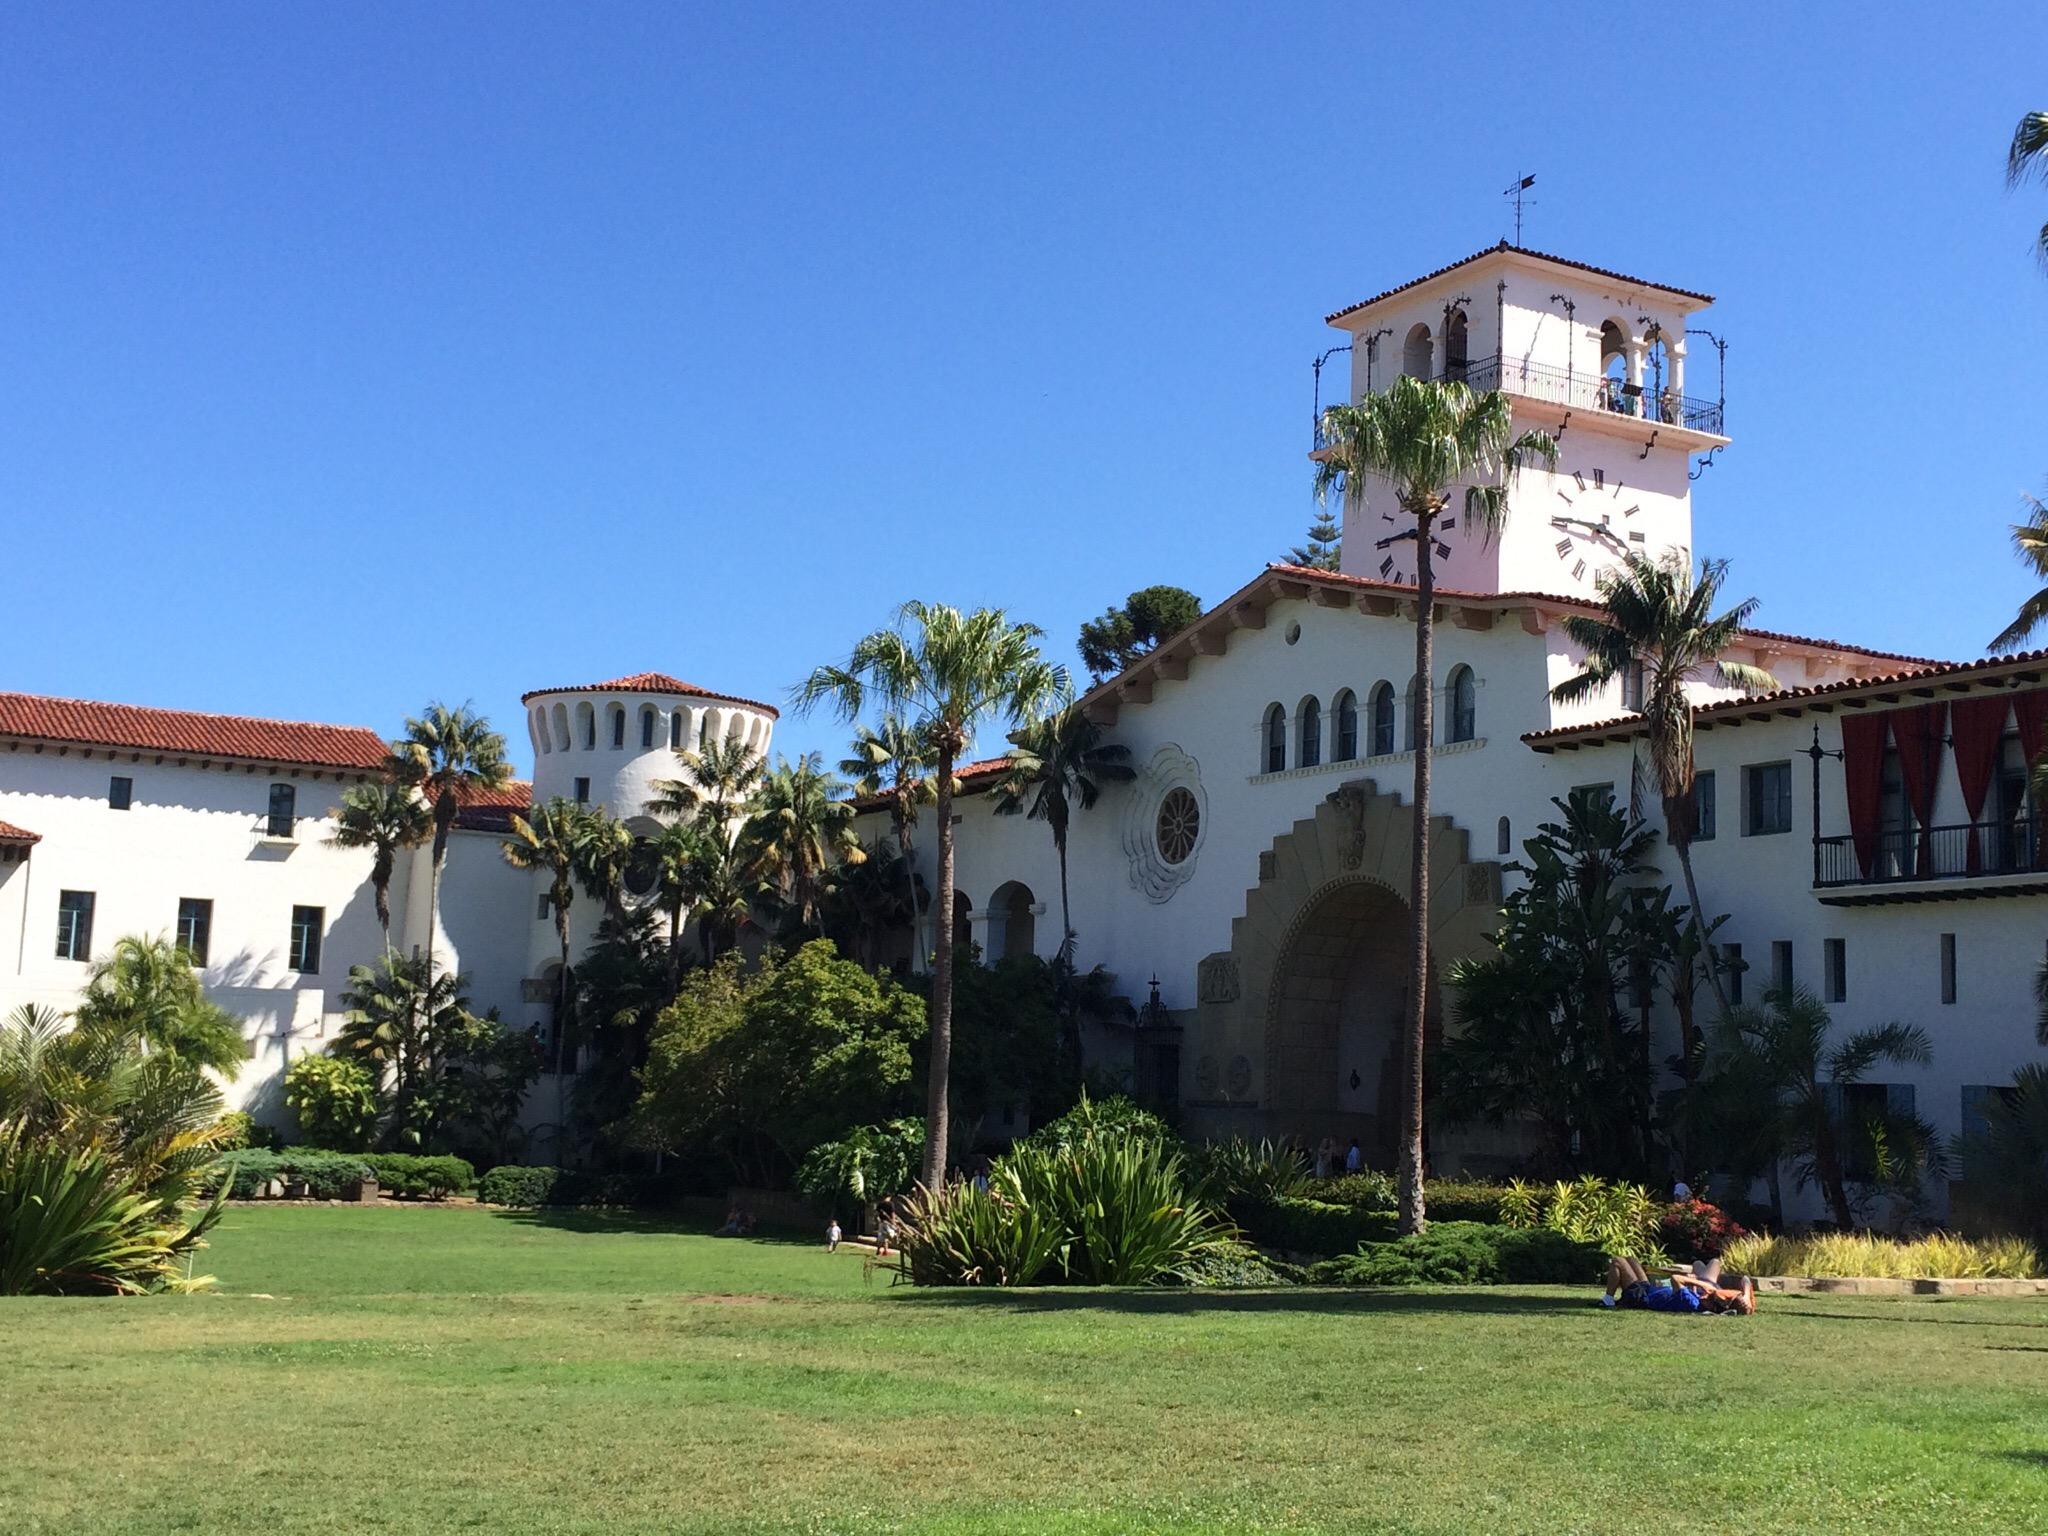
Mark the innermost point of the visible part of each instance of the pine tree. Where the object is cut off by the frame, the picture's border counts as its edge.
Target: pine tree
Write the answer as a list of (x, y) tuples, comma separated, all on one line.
[(1324, 539)]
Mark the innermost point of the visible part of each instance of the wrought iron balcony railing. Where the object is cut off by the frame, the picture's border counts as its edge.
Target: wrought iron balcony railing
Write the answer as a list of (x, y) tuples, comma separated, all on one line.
[(1590, 392), (1964, 851)]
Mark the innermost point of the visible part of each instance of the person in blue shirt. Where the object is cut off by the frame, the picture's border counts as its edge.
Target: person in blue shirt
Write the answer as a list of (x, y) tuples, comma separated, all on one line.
[(1629, 1284)]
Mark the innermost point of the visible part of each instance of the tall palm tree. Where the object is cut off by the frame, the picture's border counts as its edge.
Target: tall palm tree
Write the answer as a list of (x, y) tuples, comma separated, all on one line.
[(145, 991), (800, 825), (1779, 1057), (717, 781), (1058, 765), (723, 891), (605, 849), (949, 672), (892, 762), (1660, 618), (383, 817), (401, 1017), (1423, 438), (2027, 158), (446, 754), (2030, 543), (545, 840)]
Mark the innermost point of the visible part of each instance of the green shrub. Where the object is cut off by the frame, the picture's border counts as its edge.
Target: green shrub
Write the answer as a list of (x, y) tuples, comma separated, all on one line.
[(74, 1221), (1467, 1253), (870, 1162), (1115, 1118), (335, 1100), (1308, 1226), (1366, 1190), (1463, 1199), (962, 1234), (539, 1184), (419, 1178), (1234, 1265), (326, 1175), (1268, 1169), (1618, 1218), (239, 1131), (514, 1184)]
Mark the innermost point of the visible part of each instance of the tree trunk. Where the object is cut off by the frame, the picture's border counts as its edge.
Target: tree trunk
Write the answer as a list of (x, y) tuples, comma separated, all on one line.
[(1059, 843), (1682, 846), (910, 880), (1827, 1165), (936, 1128), (1414, 1210)]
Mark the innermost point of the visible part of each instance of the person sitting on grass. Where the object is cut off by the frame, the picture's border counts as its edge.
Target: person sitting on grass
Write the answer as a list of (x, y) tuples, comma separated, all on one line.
[(1629, 1284)]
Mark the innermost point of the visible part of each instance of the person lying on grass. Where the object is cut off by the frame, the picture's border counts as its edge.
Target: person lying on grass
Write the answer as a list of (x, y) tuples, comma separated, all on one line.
[(1629, 1285)]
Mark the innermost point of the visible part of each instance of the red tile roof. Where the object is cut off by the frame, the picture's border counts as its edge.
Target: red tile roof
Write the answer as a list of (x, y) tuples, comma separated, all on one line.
[(1544, 740), (655, 682), (492, 810), (189, 733), (17, 837), (1520, 250), (1588, 605), (973, 778)]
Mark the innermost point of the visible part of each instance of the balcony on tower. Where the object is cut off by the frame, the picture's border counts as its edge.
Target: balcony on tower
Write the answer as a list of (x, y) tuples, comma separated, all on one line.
[(1573, 345)]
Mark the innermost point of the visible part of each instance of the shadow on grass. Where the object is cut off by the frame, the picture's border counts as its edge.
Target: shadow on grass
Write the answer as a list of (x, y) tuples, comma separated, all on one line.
[(2026, 1458), (1318, 1299), (615, 1223)]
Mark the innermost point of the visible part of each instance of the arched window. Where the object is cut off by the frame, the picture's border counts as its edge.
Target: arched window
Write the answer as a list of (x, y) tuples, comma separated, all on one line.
[(1309, 732), (1012, 925), (1614, 390), (704, 730), (1382, 719), (1347, 727), (586, 720), (676, 723), (618, 714), (540, 729), (1276, 739), (1464, 722), (1417, 357), (1659, 401), (562, 739), (1456, 343), (647, 719), (1503, 840), (1414, 711)]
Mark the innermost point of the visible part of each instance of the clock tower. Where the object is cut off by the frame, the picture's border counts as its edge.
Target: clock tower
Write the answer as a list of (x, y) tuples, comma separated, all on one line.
[(1594, 358)]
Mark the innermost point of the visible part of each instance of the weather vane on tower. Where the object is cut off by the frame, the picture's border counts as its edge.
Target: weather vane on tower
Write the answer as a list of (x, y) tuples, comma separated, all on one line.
[(1516, 192)]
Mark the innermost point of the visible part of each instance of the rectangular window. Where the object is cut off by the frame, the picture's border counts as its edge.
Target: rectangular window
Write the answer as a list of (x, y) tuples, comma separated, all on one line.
[(1835, 952), (1976, 1096), (583, 791), (618, 728), (305, 949), (1731, 968), (541, 914), (1767, 797), (1859, 1108), (195, 927), (1781, 964), (1632, 686), (1703, 808), (1948, 967), (284, 805), (1604, 793), (120, 792), (74, 925)]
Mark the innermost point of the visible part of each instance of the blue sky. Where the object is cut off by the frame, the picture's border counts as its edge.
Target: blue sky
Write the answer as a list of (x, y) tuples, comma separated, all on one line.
[(352, 356)]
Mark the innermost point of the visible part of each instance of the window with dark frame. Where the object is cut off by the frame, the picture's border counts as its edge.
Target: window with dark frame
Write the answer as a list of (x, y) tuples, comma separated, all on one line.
[(1767, 797), (1948, 968), (307, 923), (541, 912), (1276, 739), (1347, 726), (1703, 807), (284, 804), (646, 730), (1781, 964), (618, 728), (195, 927), (120, 792), (74, 925), (1732, 968), (583, 791), (1835, 954)]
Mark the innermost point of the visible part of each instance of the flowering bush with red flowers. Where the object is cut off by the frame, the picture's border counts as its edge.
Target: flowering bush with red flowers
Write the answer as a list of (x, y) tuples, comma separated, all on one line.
[(1693, 1229)]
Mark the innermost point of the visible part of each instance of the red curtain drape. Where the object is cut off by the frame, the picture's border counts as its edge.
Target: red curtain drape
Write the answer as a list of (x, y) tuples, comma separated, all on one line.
[(1863, 779), (2030, 713), (1976, 726), (1917, 732)]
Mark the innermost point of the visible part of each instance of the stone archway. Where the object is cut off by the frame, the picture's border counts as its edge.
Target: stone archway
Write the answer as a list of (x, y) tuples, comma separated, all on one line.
[(1323, 939)]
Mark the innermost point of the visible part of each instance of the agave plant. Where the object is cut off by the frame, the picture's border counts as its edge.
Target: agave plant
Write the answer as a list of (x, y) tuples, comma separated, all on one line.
[(963, 1234), (1125, 1206), (72, 1221)]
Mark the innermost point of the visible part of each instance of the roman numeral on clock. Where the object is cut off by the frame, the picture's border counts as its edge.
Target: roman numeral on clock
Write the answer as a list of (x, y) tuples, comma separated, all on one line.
[(1580, 476), (1387, 566), (1564, 549), (1578, 570), (1632, 511), (1442, 548), (1600, 480)]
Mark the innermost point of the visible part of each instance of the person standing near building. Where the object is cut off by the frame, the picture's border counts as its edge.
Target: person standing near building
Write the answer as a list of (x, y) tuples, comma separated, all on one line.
[(1353, 1158)]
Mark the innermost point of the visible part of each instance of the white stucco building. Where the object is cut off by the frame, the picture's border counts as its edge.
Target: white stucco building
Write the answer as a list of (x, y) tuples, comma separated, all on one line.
[(1258, 864)]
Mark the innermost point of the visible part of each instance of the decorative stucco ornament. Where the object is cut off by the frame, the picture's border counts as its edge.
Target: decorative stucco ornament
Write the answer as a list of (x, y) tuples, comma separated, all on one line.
[(1166, 821)]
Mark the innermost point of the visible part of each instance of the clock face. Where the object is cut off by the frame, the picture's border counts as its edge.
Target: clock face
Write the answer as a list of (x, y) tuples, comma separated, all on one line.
[(1397, 548), (1592, 519)]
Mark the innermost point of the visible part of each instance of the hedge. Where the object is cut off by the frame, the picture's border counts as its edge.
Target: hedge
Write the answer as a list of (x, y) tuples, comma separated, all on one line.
[(534, 1185), (1295, 1225), (1448, 1199), (327, 1175), (419, 1178), (1467, 1253)]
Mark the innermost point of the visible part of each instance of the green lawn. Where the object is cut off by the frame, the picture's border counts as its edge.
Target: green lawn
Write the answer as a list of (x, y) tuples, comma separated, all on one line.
[(398, 1370)]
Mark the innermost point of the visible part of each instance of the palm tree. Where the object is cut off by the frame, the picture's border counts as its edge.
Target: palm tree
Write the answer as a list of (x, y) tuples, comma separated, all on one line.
[(2030, 543), (146, 991), (605, 849), (949, 672), (383, 817), (1778, 1057), (2026, 158), (718, 780), (1424, 437), (1058, 764), (546, 839), (1659, 618), (892, 762), (399, 1017), (800, 825), (447, 754), (723, 892)]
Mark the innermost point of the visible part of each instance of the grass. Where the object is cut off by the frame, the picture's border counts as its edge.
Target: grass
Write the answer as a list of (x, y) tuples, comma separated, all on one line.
[(422, 1370)]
